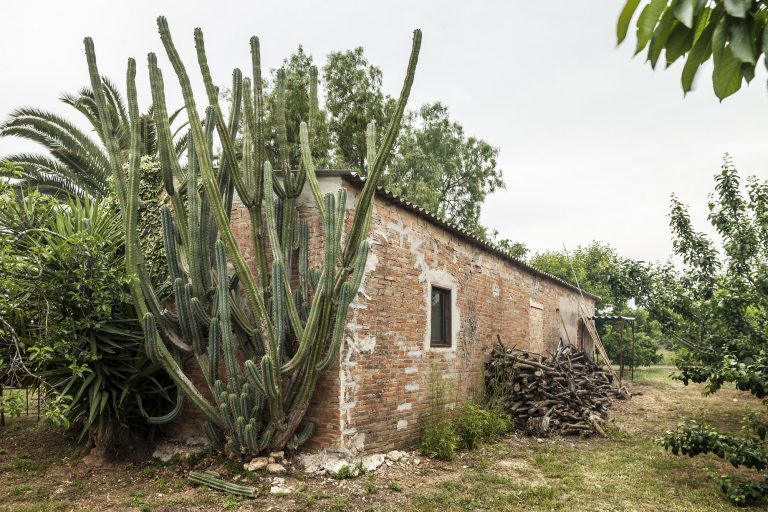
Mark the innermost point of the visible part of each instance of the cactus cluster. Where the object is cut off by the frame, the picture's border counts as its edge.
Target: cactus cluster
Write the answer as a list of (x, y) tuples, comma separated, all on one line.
[(260, 338)]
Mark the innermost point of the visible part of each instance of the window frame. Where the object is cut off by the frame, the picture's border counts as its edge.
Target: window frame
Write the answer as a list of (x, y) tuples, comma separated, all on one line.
[(446, 317)]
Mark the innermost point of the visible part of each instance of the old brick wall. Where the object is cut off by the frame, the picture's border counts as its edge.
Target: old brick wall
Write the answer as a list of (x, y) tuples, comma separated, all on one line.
[(386, 364), (373, 398)]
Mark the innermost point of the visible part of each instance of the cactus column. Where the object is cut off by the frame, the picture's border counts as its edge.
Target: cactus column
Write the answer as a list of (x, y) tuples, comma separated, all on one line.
[(260, 344)]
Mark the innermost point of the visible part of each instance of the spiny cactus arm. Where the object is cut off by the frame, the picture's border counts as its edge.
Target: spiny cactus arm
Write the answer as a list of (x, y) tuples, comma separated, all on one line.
[(228, 145), (194, 236), (310, 331), (214, 350), (105, 118), (209, 183), (345, 297), (370, 142), (220, 485), (309, 165), (225, 319), (341, 210), (168, 160), (278, 254), (313, 103), (161, 354), (258, 102), (365, 201), (163, 128), (165, 418), (331, 244)]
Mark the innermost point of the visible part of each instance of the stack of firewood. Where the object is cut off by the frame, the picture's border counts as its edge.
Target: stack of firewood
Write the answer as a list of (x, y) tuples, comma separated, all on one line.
[(565, 393)]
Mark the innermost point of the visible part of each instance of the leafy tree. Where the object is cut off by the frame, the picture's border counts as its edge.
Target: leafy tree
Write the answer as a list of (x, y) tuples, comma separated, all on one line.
[(353, 99), (76, 163), (298, 70), (600, 270), (442, 170), (716, 308), (730, 32)]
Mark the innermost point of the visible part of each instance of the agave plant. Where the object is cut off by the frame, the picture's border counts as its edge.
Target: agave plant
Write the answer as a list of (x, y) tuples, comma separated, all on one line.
[(76, 163), (272, 330)]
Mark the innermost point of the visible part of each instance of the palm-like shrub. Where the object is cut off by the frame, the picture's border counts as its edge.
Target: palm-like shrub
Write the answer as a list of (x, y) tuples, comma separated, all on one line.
[(76, 163), (67, 310)]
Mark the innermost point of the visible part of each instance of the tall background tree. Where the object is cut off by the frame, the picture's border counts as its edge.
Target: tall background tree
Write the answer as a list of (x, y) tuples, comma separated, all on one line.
[(435, 164), (599, 269)]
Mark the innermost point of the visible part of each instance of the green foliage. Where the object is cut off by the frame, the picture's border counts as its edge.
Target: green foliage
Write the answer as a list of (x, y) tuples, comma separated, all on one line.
[(353, 100), (441, 169), (716, 309), (11, 405), (75, 163), (474, 423), (600, 270), (746, 449), (395, 486), (300, 77), (69, 318), (730, 32), (445, 429), (348, 471), (439, 437)]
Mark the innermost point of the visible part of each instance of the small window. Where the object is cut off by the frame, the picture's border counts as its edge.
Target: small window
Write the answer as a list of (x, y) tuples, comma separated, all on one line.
[(441, 317)]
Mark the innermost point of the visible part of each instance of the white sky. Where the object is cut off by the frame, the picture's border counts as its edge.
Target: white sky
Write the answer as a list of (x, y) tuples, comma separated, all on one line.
[(592, 141)]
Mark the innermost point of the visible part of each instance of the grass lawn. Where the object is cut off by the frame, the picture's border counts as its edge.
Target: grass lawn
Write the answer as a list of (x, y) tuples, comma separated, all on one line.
[(41, 470)]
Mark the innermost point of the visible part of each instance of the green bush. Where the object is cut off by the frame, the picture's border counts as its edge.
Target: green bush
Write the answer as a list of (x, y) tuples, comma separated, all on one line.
[(69, 317), (439, 437), (474, 423)]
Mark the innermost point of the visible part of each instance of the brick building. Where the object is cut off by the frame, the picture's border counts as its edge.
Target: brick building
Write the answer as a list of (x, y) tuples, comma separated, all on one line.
[(433, 302)]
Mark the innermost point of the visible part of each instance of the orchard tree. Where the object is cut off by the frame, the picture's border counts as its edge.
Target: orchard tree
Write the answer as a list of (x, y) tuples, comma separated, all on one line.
[(717, 305)]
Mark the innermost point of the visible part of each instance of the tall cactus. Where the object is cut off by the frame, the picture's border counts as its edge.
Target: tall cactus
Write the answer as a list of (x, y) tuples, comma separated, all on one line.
[(260, 343)]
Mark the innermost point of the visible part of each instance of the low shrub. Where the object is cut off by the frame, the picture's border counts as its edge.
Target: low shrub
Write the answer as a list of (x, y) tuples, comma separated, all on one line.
[(474, 423), (439, 437), (462, 428)]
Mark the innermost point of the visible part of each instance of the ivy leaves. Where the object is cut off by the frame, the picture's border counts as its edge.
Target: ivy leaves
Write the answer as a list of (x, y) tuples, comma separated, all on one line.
[(729, 32)]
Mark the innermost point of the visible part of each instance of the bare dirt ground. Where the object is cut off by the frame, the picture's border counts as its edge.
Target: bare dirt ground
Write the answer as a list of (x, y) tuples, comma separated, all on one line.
[(42, 470)]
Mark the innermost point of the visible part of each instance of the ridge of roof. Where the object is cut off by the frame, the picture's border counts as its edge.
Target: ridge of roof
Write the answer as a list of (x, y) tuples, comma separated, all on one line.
[(356, 179)]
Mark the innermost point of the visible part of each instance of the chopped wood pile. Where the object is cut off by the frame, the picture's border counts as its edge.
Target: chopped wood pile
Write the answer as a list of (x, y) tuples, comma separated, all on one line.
[(565, 393)]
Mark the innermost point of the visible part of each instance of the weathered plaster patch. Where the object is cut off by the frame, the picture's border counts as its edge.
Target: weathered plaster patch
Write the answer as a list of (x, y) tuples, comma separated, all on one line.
[(401, 424), (412, 387), (405, 407), (410, 370), (496, 290)]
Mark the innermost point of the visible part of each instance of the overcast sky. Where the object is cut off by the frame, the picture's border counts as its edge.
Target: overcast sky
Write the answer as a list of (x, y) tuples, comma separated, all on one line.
[(592, 141)]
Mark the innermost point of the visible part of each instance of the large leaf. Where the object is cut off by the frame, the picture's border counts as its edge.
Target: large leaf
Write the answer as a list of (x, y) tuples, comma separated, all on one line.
[(680, 41), (698, 54), (740, 41), (624, 18), (647, 21), (726, 77), (660, 36), (684, 11), (738, 8)]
